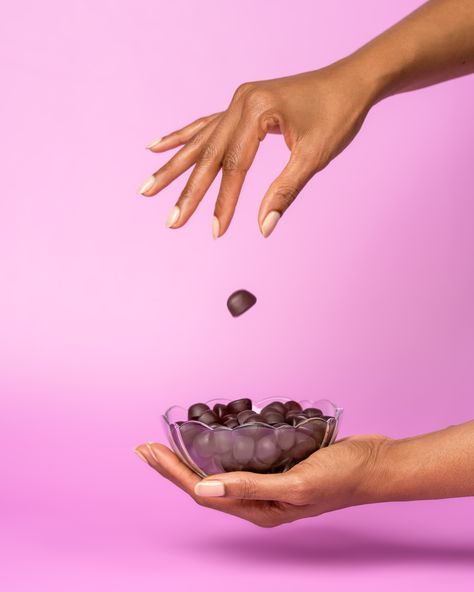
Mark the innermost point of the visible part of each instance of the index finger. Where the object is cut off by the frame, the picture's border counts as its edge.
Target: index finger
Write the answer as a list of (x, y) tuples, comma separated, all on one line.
[(261, 513), (163, 460), (181, 136)]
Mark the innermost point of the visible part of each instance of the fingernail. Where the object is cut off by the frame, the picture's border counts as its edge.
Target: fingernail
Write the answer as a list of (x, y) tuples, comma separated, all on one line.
[(152, 451), (141, 455), (154, 144), (209, 488), (270, 222), (147, 185), (216, 227), (173, 217)]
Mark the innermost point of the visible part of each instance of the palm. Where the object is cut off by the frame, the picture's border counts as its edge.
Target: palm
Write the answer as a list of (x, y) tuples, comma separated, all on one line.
[(319, 484)]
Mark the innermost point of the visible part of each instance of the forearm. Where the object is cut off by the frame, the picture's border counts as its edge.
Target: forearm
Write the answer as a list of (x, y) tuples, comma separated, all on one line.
[(432, 466), (432, 44)]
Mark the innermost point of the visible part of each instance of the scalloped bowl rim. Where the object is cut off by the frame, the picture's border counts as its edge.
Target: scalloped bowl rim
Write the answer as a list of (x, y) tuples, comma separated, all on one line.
[(338, 411)]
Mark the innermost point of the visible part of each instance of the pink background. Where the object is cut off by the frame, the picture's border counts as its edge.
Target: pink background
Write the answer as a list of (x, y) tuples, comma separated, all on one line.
[(106, 318)]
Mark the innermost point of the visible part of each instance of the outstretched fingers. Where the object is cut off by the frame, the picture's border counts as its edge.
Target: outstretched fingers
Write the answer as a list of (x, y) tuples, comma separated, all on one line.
[(181, 136), (167, 464), (179, 163), (203, 174), (238, 158)]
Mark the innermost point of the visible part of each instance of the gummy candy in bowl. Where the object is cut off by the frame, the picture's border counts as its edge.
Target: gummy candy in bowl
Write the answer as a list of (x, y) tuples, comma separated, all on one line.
[(268, 436)]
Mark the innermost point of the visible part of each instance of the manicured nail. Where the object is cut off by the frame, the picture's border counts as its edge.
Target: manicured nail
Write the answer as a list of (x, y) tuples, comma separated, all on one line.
[(154, 144), (152, 451), (209, 488), (141, 455), (173, 217), (270, 222), (216, 227), (147, 185)]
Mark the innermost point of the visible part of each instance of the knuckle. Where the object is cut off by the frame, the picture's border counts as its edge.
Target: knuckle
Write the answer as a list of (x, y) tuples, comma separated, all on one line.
[(298, 492), (286, 194), (258, 100), (247, 489), (242, 90), (196, 140), (232, 161), (208, 154)]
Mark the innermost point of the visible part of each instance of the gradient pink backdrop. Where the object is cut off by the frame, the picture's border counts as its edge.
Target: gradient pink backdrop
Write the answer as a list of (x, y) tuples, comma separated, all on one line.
[(106, 318)]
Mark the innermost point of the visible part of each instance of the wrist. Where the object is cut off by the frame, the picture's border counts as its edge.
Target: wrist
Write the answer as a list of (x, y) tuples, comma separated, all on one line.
[(387, 63), (381, 471)]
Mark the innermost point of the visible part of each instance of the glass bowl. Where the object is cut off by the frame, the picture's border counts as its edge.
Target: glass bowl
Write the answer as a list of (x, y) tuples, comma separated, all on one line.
[(258, 447)]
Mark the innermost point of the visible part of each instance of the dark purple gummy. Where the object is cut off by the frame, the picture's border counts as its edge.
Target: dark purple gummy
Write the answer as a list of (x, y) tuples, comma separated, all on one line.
[(293, 406), (290, 414), (220, 410), (243, 448), (255, 418), (240, 301), (267, 449), (228, 462), (243, 416), (272, 417), (209, 418), (231, 422), (222, 441), (312, 412), (209, 466), (253, 430), (316, 429), (203, 444), (303, 447), (189, 431), (239, 405), (275, 406), (257, 466), (297, 419), (196, 410), (286, 437)]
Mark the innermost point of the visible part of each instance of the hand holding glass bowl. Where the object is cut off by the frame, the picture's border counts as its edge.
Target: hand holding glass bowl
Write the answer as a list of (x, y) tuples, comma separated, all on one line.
[(333, 477), (350, 472), (269, 436)]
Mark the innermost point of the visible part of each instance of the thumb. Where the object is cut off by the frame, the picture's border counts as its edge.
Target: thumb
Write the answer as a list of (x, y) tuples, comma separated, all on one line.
[(285, 188), (285, 487)]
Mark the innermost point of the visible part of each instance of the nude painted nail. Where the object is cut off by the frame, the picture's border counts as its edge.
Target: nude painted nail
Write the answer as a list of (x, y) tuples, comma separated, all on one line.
[(210, 488), (216, 227), (140, 455), (270, 222), (147, 185), (154, 144), (152, 451), (173, 217)]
